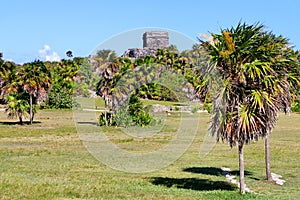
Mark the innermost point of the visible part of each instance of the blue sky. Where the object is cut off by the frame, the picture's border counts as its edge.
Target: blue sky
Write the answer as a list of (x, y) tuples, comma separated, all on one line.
[(35, 29)]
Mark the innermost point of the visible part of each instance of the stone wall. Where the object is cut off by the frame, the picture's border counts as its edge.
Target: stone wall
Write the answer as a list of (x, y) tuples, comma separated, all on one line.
[(156, 39)]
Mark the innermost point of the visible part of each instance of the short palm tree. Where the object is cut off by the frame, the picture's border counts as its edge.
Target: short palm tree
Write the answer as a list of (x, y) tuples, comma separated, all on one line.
[(35, 79), (255, 68), (17, 106)]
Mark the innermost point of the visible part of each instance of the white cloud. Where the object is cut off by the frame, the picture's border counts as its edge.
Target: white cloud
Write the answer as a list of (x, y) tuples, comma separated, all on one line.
[(43, 52), (47, 54), (9, 60), (53, 57)]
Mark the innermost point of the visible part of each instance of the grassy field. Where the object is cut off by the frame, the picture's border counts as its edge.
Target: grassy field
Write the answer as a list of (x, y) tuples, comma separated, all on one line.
[(48, 161)]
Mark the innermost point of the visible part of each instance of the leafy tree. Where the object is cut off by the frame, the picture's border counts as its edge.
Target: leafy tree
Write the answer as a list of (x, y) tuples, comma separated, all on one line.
[(106, 55), (8, 78), (172, 48), (259, 75), (64, 74), (101, 60), (86, 79)]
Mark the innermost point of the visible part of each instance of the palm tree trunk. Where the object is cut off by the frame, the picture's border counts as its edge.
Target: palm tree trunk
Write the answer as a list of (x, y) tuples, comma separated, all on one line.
[(32, 116), (21, 120), (30, 110), (241, 165), (267, 156), (105, 112)]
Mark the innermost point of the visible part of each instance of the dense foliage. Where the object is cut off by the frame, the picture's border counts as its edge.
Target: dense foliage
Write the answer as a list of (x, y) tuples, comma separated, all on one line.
[(123, 77), (61, 92), (23, 85)]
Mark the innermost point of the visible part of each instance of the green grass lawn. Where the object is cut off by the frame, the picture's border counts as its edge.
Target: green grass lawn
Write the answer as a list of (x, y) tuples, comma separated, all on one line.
[(48, 161)]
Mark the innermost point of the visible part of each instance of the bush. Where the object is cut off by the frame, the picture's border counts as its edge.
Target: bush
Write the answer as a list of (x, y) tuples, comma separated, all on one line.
[(105, 120), (139, 115), (195, 109), (134, 114), (208, 107), (296, 106), (122, 118), (142, 119), (82, 89), (60, 97)]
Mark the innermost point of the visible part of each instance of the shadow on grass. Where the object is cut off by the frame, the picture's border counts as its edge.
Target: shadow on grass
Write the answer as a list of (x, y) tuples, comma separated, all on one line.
[(217, 172), (193, 184), (204, 170), (18, 123), (87, 123), (180, 104), (213, 171)]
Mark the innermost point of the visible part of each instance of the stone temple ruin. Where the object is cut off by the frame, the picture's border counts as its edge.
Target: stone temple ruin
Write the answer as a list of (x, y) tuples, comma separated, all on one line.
[(156, 39), (152, 41)]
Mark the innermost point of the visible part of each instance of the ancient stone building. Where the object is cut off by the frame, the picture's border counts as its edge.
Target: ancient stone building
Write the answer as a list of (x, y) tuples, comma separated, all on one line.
[(156, 39), (152, 41)]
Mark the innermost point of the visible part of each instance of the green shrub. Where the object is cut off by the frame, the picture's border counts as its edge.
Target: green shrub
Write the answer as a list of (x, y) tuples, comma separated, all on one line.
[(142, 119), (139, 115), (134, 114), (208, 107), (60, 97), (195, 109), (122, 118), (105, 120), (82, 89), (296, 106)]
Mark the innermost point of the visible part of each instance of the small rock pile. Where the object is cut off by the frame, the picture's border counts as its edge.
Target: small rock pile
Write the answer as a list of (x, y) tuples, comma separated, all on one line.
[(277, 179), (231, 178), (226, 172)]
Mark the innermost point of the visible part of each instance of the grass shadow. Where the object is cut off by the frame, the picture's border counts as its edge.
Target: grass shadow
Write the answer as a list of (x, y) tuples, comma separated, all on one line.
[(204, 170), (193, 184), (237, 173), (213, 171), (87, 123), (18, 123), (180, 104)]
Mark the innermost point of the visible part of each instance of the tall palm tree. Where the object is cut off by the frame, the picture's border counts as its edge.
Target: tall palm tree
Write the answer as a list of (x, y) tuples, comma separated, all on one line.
[(36, 79), (256, 83)]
